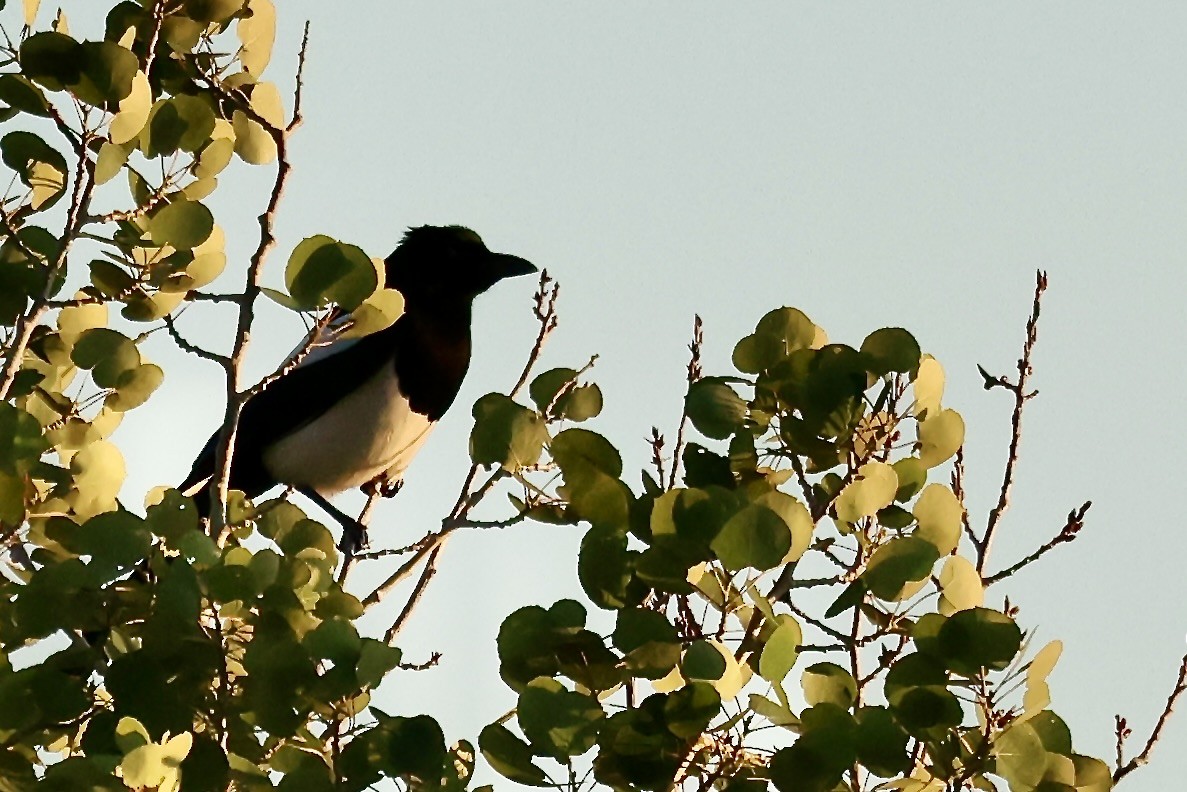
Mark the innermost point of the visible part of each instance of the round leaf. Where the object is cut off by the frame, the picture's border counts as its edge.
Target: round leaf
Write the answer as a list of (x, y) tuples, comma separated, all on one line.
[(181, 224), (940, 436), (322, 270), (890, 349)]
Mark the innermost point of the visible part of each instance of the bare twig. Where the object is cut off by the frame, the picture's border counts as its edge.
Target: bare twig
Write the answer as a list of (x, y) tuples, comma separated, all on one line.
[(186, 346), (430, 569), (544, 310), (1071, 529), (958, 491), (1156, 734), (1021, 396), (694, 373), (656, 441)]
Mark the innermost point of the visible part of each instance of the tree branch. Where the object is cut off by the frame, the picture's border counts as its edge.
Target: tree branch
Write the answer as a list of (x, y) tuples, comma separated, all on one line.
[(1071, 529), (1156, 734), (1021, 396)]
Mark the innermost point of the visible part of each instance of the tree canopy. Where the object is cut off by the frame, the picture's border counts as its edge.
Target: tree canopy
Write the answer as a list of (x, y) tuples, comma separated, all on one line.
[(799, 596)]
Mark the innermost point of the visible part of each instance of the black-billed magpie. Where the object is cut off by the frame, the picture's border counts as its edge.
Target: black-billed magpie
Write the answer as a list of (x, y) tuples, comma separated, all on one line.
[(360, 408)]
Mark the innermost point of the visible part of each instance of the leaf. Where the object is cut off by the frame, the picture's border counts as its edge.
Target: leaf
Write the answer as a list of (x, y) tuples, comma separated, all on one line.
[(891, 349), (106, 73), (960, 586), (99, 473), (53, 59), (753, 537), (110, 162), (929, 386), (134, 387), (18, 92), (896, 565), (510, 756), (181, 224), (134, 110), (871, 490), (212, 10), (257, 33), (778, 334), (714, 408), (378, 312), (939, 514), (781, 650), (559, 723), (322, 270), (506, 433), (178, 123), (940, 436), (828, 683), (38, 164)]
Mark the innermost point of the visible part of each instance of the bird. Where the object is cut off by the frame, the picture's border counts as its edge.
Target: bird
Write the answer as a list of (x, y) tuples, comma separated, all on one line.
[(360, 408)]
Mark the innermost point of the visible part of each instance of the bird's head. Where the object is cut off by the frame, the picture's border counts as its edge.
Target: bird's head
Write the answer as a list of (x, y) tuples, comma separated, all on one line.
[(447, 263)]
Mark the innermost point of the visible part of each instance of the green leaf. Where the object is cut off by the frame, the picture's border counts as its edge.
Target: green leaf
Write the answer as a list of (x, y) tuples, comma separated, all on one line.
[(181, 224), (18, 92), (322, 270), (21, 441), (917, 690), (940, 436), (974, 639), (53, 59), (106, 73), (781, 650), (714, 408), (213, 10), (872, 489), (39, 166), (828, 683), (134, 386), (412, 746), (1021, 758), (912, 475), (702, 661), (777, 335), (754, 537), (897, 564), (939, 514), (506, 433), (890, 349), (689, 710), (604, 567), (510, 756), (881, 742), (817, 760), (109, 353), (591, 467), (559, 723), (649, 641), (179, 122)]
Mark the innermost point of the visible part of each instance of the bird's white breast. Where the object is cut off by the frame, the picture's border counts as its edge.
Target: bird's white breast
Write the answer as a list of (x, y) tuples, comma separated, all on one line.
[(370, 431)]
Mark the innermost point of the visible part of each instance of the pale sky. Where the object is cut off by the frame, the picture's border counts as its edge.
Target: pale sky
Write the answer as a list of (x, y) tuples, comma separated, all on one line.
[(873, 164)]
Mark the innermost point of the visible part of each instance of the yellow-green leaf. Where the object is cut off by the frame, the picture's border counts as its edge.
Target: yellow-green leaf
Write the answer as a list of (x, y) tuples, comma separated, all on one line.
[(871, 490), (960, 586), (940, 436), (939, 514)]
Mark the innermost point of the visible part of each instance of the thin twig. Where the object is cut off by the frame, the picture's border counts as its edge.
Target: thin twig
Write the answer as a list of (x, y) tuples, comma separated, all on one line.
[(1021, 396), (187, 346), (430, 569), (1071, 529), (545, 311), (1156, 734), (694, 374)]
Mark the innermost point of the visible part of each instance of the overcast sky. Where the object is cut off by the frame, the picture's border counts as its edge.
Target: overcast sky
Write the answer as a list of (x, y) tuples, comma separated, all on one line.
[(872, 164)]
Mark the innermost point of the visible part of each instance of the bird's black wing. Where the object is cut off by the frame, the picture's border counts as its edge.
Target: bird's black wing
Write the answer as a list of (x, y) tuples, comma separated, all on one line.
[(300, 396)]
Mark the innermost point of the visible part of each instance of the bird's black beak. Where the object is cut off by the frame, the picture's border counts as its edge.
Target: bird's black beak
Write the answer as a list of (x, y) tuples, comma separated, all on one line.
[(507, 266)]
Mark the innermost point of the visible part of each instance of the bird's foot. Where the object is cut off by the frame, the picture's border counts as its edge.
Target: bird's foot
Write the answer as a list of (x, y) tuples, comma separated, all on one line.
[(354, 538)]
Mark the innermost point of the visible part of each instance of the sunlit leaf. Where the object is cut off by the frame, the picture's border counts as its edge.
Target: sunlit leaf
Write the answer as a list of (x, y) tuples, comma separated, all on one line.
[(939, 514), (940, 436), (872, 489)]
